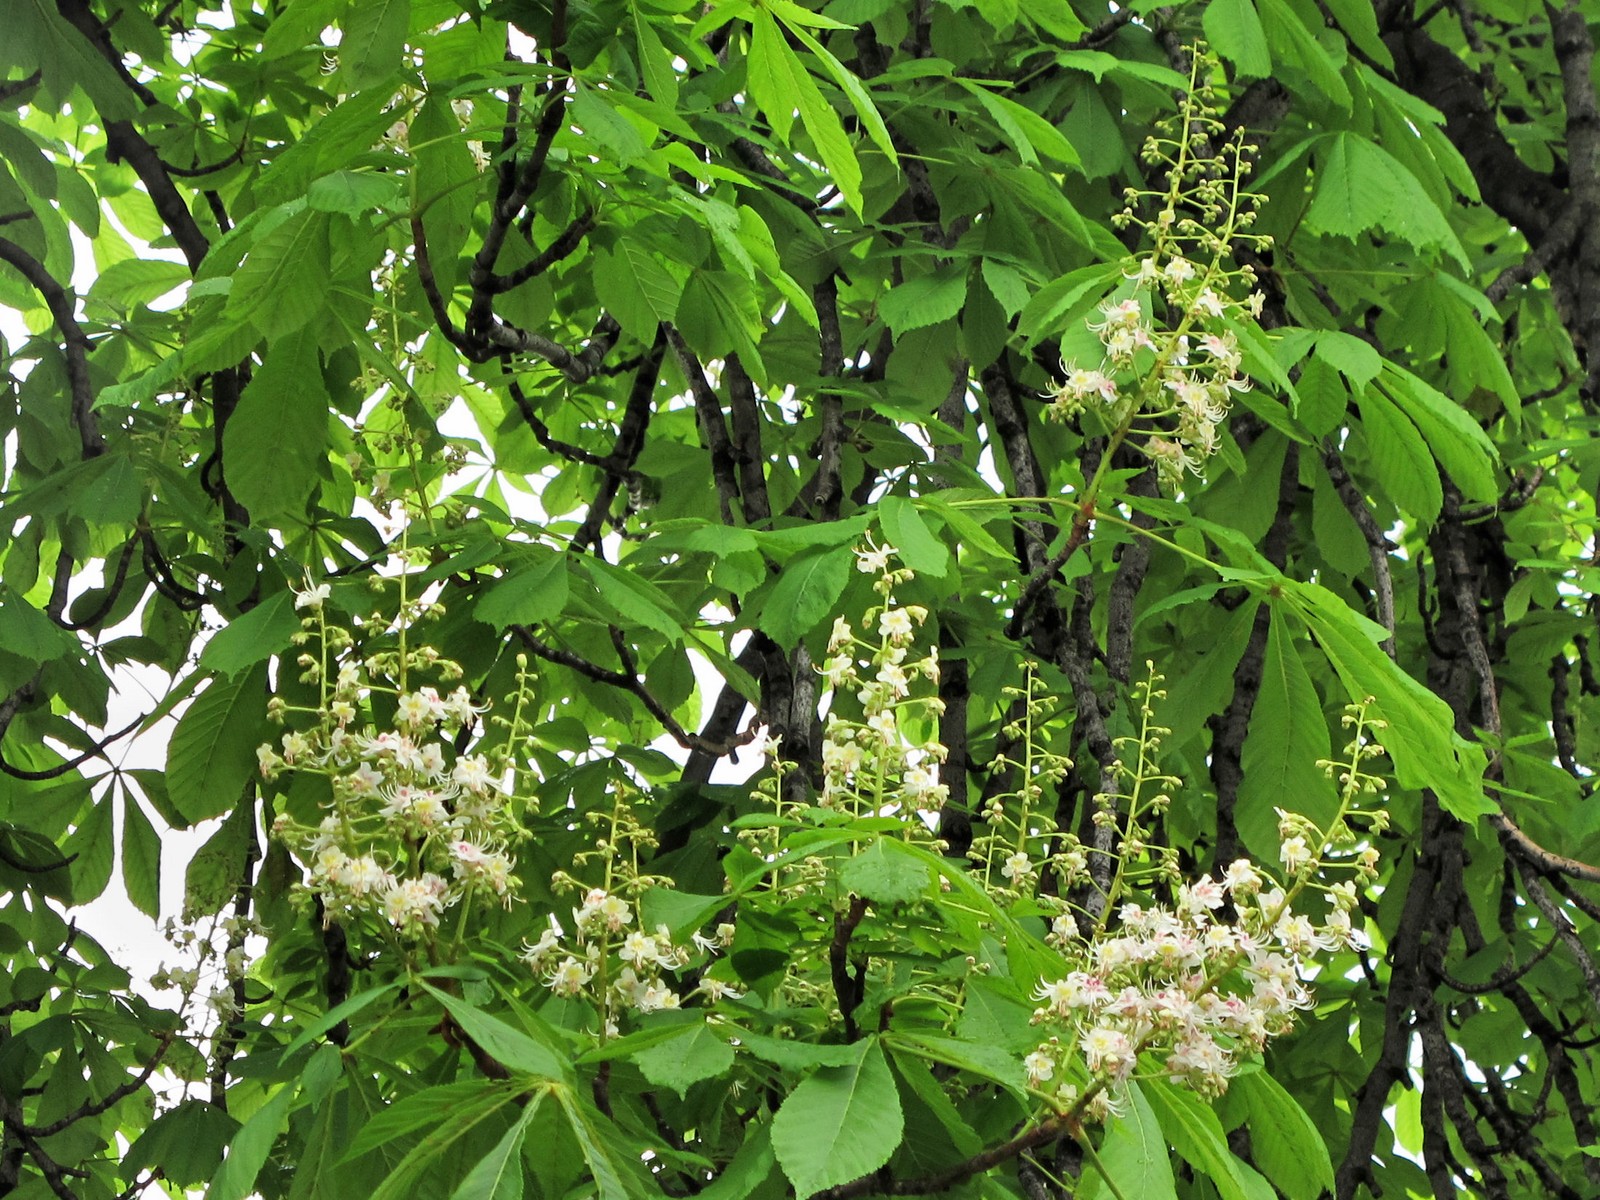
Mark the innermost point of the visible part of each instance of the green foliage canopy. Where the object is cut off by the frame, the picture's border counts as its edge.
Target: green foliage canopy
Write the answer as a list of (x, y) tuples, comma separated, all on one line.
[(580, 346)]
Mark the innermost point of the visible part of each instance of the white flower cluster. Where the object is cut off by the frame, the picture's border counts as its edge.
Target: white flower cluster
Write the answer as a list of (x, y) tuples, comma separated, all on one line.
[(1177, 375), (877, 765), (414, 826), (1171, 362), (1184, 990), (617, 967)]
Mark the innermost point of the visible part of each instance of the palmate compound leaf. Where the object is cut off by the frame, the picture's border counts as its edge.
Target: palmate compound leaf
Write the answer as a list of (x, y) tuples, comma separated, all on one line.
[(841, 1123)]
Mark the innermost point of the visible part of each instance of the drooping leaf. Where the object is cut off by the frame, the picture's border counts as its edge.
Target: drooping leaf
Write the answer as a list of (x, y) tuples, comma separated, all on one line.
[(840, 1124), (213, 750)]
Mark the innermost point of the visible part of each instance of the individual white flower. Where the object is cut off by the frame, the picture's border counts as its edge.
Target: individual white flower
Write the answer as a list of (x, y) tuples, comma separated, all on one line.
[(312, 597), (1179, 270), (1018, 868), (1242, 878), (1294, 853), (471, 773), (1209, 303), (873, 559), (1107, 1049), (895, 624), (414, 710), (657, 996), (535, 953), (1039, 1066), (412, 904), (716, 989), (569, 976), (841, 636), (433, 760)]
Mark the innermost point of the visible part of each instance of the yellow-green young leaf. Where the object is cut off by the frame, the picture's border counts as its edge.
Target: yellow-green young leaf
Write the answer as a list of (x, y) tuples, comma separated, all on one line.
[(1457, 441), (905, 529), (212, 754), (832, 143), (1133, 1155), (38, 38), (855, 91), (655, 64), (141, 858), (637, 601), (275, 444), (774, 74), (138, 281), (1297, 44), (374, 39), (841, 1123), (1233, 27), (1400, 457)]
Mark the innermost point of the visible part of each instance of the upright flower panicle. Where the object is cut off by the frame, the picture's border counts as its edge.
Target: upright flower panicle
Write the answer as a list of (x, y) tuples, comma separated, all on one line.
[(1180, 296)]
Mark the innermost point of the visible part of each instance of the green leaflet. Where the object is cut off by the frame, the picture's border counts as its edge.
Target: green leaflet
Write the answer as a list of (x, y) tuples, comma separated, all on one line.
[(840, 1124), (1400, 457), (1029, 133), (92, 849), (1288, 737), (694, 1055), (248, 1151), (256, 635), (213, 750), (1133, 1156), (1421, 738), (780, 83), (1191, 1125), (804, 593), (141, 857), (1234, 28), (374, 37), (286, 274), (925, 300), (1285, 1142), (275, 442), (498, 1174), (526, 597)]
